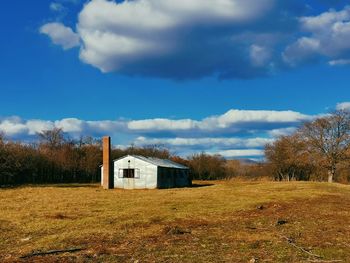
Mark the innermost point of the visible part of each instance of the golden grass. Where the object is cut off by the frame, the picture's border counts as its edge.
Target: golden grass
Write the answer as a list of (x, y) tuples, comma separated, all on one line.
[(213, 223)]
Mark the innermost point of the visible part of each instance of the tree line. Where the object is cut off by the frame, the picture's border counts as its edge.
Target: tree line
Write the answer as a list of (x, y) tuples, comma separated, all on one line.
[(56, 158), (319, 150), (53, 158)]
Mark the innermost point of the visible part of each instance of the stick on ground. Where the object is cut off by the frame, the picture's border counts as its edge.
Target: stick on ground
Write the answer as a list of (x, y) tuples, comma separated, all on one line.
[(49, 252), (291, 242)]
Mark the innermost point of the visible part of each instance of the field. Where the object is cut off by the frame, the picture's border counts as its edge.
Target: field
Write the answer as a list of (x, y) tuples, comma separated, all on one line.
[(212, 222)]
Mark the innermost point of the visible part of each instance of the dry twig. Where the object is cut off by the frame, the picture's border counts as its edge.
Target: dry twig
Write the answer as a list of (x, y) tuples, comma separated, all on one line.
[(324, 261), (50, 252), (291, 242)]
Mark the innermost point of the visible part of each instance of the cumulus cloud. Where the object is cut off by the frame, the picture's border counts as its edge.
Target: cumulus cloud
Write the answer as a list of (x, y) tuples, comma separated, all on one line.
[(305, 49), (282, 132), (180, 39), (162, 124), (189, 39), (232, 122), (339, 62), (259, 55), (184, 39), (61, 35), (236, 130), (242, 153), (205, 143), (13, 126), (328, 37), (17, 127), (343, 106), (37, 126)]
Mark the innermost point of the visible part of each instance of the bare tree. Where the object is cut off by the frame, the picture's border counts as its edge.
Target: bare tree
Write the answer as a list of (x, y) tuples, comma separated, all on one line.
[(207, 167), (288, 158), (328, 138), (2, 137), (52, 138)]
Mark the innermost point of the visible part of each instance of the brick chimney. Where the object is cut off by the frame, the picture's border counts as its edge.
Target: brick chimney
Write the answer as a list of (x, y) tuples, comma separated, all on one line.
[(108, 177)]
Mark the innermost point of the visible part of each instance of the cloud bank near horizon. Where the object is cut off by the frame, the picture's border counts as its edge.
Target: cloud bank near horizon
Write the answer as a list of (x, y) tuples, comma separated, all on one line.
[(189, 39), (236, 133)]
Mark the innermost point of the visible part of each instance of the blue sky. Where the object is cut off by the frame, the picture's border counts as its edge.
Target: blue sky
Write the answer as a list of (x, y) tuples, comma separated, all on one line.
[(222, 76)]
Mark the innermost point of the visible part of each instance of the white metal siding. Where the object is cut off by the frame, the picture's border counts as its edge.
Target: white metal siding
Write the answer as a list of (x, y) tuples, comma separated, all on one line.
[(148, 173), (145, 174)]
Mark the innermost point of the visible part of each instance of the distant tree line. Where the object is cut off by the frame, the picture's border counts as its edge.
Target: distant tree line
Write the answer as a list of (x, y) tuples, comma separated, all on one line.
[(54, 158), (319, 150)]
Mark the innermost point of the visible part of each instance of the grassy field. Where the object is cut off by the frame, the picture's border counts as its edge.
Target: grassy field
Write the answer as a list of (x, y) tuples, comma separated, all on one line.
[(213, 222)]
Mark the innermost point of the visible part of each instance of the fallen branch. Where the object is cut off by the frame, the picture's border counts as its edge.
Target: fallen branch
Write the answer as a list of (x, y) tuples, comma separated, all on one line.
[(325, 261), (50, 252), (291, 242)]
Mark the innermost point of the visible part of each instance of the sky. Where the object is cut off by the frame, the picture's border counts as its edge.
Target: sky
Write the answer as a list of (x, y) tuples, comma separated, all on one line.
[(223, 77)]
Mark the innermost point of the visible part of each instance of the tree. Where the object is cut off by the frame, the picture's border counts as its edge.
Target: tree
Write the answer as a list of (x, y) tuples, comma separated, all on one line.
[(2, 138), (288, 158), (328, 139), (52, 138), (207, 167)]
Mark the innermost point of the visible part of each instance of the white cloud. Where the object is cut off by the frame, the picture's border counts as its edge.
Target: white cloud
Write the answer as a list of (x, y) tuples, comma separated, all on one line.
[(37, 126), (162, 124), (206, 142), (325, 20), (329, 36), (70, 125), (242, 153), (232, 122), (282, 132), (339, 62), (343, 106), (159, 15), (259, 55), (234, 117), (304, 49), (230, 134), (61, 35), (146, 36), (13, 126), (187, 39)]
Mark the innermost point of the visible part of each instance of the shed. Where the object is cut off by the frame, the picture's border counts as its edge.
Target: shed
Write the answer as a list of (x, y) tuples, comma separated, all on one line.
[(139, 172)]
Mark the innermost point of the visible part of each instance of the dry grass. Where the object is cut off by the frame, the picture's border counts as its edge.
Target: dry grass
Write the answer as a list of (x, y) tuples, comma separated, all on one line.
[(223, 222)]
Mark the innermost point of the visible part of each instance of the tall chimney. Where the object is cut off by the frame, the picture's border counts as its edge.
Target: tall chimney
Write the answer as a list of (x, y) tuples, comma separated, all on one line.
[(108, 178)]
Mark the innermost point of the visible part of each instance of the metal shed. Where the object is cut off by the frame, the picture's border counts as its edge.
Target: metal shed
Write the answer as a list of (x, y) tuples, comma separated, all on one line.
[(139, 172)]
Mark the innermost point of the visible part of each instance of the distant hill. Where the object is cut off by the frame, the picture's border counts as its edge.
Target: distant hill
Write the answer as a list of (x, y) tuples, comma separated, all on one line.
[(244, 161)]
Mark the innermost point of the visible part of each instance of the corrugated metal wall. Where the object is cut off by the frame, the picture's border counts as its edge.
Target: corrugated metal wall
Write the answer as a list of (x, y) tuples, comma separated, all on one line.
[(145, 174), (171, 177)]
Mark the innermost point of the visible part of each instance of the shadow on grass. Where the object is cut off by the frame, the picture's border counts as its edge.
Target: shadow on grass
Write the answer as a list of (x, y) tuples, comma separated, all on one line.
[(82, 185), (76, 185), (66, 185), (200, 185)]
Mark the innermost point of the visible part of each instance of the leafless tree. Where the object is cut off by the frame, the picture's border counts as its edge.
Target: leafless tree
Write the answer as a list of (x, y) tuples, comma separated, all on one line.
[(52, 138), (2, 137), (328, 138), (289, 158)]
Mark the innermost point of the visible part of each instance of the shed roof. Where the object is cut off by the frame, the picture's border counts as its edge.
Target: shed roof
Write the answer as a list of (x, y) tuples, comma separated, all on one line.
[(156, 161)]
